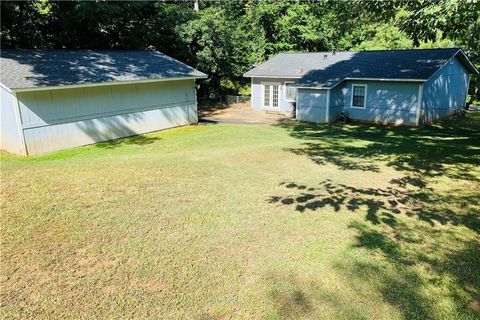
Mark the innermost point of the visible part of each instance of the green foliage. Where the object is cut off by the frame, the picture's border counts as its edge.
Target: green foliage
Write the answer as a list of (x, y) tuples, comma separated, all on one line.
[(218, 50), (226, 38), (378, 36)]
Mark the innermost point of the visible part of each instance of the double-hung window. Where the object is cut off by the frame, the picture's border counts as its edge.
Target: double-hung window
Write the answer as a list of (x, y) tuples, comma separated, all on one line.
[(359, 95)]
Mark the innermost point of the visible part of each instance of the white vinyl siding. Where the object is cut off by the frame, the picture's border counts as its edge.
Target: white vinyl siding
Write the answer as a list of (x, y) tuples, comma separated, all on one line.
[(64, 118)]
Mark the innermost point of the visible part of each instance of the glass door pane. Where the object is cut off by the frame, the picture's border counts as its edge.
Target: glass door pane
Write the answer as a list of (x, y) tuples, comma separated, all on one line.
[(266, 95), (275, 96)]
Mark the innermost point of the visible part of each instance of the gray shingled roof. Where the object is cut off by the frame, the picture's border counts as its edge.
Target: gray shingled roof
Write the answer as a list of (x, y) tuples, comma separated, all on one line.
[(325, 69), (35, 68)]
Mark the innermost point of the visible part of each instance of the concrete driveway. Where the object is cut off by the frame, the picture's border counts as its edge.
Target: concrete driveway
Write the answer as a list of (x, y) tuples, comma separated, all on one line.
[(238, 113)]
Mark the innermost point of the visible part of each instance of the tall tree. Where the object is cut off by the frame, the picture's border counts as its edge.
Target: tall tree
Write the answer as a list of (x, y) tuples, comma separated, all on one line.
[(226, 38)]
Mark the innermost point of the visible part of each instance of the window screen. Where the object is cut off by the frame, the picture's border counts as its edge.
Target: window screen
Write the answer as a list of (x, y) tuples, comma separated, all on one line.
[(291, 92)]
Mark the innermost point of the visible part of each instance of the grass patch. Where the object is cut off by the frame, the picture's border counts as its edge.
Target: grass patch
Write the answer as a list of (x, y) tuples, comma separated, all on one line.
[(296, 220)]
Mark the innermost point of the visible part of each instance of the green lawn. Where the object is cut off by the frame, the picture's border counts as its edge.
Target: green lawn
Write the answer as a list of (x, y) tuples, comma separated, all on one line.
[(248, 222)]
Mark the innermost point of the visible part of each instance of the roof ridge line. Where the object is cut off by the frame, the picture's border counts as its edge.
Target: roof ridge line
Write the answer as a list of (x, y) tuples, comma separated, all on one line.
[(379, 50)]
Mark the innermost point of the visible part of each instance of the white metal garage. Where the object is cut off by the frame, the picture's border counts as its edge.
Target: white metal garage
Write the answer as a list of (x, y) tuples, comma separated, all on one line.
[(52, 100)]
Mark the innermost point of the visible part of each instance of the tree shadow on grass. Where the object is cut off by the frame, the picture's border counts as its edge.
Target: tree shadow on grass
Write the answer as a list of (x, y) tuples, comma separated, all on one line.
[(139, 140), (290, 298), (426, 151), (409, 196), (295, 297), (398, 242), (401, 232), (423, 245), (403, 286)]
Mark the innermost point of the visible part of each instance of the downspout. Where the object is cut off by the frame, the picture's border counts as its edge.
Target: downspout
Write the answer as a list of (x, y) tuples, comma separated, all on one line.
[(296, 104), (420, 102), (327, 111), (18, 118), (468, 87)]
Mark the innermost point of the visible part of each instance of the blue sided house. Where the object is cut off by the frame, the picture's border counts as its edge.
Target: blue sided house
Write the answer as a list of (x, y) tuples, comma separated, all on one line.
[(402, 87)]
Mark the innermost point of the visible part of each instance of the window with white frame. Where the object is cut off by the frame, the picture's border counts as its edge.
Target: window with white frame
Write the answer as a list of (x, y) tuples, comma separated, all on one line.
[(359, 95), (290, 92)]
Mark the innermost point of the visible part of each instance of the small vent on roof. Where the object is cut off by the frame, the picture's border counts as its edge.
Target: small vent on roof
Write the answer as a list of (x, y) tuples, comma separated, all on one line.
[(334, 51), (325, 56), (150, 48)]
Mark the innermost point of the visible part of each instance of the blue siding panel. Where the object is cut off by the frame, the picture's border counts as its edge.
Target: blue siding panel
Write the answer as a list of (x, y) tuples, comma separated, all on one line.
[(386, 102), (397, 102), (446, 92), (336, 102), (311, 105)]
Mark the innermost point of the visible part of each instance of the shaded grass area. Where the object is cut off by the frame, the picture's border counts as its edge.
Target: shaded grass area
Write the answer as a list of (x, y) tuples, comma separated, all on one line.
[(297, 220)]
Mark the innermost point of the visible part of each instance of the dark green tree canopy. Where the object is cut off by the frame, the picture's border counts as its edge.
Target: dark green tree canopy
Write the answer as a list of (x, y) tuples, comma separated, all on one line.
[(226, 38)]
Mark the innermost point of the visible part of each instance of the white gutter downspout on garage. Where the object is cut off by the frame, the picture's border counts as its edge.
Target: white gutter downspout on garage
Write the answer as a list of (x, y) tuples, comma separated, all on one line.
[(419, 108), (327, 108), (468, 87), (18, 117)]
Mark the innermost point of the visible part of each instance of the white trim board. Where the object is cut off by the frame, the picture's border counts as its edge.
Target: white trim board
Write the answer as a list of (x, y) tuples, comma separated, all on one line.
[(274, 77), (468, 60), (107, 83), (18, 118), (386, 79), (5, 87), (363, 79), (364, 98), (314, 88)]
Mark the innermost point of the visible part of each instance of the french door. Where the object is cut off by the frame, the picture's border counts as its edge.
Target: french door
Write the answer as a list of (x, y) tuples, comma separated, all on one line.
[(270, 95)]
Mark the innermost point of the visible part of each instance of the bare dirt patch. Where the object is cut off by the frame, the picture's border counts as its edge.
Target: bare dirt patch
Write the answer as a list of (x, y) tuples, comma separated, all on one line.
[(238, 113)]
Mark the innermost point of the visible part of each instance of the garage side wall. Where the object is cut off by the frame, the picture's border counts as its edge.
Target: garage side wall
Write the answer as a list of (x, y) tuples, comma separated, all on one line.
[(64, 118), (10, 139), (446, 92)]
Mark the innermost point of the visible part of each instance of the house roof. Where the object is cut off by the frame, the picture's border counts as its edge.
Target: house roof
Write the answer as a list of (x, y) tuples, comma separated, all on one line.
[(326, 69), (22, 69)]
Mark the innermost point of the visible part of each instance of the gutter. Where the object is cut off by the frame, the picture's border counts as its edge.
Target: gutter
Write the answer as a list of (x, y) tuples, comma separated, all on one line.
[(360, 79), (276, 76), (107, 83)]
